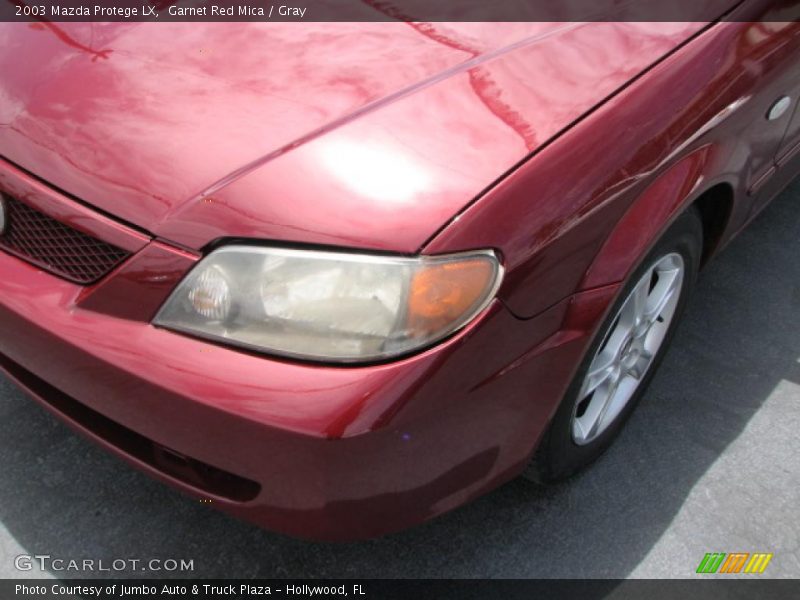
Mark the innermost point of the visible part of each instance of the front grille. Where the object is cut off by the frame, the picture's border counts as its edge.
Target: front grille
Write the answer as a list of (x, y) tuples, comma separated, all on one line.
[(56, 247)]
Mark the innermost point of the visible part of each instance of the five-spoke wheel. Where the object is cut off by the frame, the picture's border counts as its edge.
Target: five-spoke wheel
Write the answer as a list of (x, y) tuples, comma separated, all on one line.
[(623, 354), (628, 349)]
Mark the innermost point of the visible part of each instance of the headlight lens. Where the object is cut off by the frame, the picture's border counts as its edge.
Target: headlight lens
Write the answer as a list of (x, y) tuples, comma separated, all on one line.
[(330, 306)]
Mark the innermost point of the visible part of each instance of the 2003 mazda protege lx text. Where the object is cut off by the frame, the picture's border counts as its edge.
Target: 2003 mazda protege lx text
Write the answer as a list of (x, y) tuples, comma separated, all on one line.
[(341, 278)]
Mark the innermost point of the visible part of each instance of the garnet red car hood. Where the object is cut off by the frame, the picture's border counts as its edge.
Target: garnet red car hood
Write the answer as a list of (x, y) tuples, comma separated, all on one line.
[(368, 134)]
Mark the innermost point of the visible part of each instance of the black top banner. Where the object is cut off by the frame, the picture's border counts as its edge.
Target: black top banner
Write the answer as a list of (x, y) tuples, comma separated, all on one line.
[(398, 10)]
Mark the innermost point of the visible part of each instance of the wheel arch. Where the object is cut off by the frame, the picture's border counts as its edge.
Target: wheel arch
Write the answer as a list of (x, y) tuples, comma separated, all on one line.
[(715, 206), (685, 184)]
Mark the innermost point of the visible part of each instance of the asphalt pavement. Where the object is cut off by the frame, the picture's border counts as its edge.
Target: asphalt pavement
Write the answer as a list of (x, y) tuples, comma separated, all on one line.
[(708, 463)]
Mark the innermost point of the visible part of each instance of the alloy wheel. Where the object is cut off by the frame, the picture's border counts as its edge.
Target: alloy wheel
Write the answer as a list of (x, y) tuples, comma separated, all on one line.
[(629, 348)]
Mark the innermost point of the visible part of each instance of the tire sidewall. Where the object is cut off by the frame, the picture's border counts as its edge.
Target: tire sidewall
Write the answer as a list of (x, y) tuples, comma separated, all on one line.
[(558, 455)]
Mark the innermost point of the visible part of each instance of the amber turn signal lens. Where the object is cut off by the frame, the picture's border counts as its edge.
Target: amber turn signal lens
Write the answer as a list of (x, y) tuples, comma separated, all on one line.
[(443, 293)]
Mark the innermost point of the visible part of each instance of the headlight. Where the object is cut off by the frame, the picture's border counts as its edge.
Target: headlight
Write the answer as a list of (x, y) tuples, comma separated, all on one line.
[(331, 306)]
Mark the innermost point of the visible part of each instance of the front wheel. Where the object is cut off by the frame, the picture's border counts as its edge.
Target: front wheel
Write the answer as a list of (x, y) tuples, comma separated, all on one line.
[(624, 355)]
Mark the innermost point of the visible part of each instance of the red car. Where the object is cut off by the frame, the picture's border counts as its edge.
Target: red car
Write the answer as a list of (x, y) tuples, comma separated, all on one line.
[(340, 278)]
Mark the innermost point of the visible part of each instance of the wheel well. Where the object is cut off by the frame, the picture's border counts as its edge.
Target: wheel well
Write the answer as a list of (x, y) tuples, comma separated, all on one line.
[(715, 206)]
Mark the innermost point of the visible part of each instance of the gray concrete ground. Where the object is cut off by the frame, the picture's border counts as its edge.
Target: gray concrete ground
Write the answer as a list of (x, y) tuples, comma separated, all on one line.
[(709, 462)]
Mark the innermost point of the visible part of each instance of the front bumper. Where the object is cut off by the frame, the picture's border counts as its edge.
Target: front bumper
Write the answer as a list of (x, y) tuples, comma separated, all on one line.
[(314, 451)]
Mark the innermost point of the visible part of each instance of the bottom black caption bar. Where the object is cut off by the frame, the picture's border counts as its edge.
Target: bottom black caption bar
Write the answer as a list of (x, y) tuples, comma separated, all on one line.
[(401, 588)]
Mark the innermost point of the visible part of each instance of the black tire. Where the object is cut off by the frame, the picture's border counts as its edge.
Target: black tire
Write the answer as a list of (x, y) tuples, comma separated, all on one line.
[(558, 456)]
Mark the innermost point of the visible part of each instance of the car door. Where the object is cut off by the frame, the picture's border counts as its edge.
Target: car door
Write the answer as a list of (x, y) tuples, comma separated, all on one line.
[(790, 148), (776, 131), (786, 163)]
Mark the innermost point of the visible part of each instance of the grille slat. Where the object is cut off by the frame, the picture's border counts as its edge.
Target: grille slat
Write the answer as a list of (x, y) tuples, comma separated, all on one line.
[(56, 247)]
